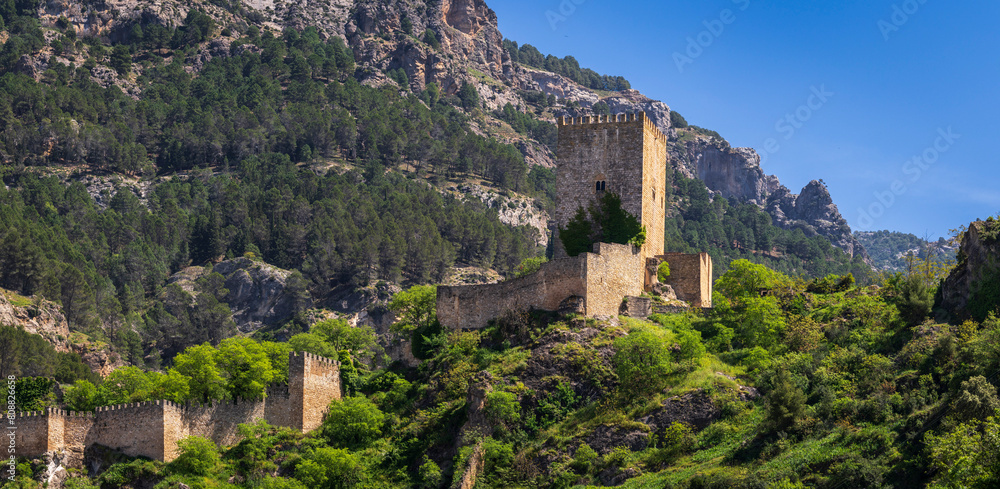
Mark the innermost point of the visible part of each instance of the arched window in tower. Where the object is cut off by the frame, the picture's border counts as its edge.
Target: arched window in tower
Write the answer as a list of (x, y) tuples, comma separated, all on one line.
[(600, 186)]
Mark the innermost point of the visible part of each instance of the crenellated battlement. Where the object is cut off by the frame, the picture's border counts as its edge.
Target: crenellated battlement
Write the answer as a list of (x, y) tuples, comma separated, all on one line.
[(153, 428), (311, 357), (571, 123)]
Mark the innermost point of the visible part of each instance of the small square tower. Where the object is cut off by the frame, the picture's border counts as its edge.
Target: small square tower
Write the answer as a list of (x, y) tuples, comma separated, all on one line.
[(625, 154)]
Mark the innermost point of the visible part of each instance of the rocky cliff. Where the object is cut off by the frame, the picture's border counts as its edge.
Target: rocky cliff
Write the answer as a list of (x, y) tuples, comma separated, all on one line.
[(391, 36), (973, 287), (45, 318), (813, 211), (259, 294)]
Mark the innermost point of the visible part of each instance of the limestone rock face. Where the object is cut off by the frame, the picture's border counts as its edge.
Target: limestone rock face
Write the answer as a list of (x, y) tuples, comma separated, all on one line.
[(258, 293), (42, 318), (732, 172), (978, 256), (814, 212)]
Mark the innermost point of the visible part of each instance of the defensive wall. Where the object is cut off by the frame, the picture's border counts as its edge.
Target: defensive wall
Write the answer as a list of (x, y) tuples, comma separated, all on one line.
[(690, 277), (152, 429), (601, 279)]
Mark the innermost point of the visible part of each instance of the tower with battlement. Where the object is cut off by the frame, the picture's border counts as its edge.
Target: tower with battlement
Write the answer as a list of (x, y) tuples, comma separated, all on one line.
[(625, 154)]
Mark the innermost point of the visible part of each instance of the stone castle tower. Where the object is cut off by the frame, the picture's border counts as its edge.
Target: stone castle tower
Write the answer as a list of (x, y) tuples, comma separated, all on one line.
[(625, 154), (622, 154)]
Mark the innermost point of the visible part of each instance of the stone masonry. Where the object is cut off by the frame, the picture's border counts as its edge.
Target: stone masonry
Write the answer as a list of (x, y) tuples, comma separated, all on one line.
[(691, 277), (623, 154), (152, 429)]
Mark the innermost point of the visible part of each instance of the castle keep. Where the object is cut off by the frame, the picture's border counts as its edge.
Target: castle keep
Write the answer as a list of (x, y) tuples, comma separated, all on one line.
[(624, 154), (152, 429), (621, 154)]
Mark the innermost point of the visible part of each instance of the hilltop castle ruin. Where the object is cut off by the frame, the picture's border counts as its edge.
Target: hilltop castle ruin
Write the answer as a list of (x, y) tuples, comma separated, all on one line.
[(152, 429), (625, 154)]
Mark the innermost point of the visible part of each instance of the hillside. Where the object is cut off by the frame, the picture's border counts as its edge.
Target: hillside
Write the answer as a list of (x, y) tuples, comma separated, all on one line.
[(888, 249), (783, 384)]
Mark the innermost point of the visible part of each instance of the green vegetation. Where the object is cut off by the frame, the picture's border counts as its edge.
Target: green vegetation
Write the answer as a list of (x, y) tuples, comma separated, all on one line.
[(23, 354), (608, 222), (847, 389), (569, 67), (731, 231), (663, 272)]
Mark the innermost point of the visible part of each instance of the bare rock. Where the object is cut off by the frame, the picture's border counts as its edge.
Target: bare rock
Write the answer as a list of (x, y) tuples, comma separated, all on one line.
[(814, 212), (40, 317), (665, 291), (978, 258)]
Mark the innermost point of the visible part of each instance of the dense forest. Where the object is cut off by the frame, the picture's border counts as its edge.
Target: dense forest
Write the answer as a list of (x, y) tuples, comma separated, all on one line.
[(889, 250)]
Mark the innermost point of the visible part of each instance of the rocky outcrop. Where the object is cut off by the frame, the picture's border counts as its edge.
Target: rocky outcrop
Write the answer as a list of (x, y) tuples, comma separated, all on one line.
[(39, 317), (971, 288), (259, 294), (513, 210), (814, 212), (731, 172), (46, 319)]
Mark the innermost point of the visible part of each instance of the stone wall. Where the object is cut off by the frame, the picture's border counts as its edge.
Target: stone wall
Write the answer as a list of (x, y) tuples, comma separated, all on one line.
[(152, 429), (32, 433), (613, 272), (136, 429), (602, 278), (691, 277), (473, 306)]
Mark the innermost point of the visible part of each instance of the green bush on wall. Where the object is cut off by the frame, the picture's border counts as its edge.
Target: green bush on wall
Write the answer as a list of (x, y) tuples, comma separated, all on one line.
[(663, 272)]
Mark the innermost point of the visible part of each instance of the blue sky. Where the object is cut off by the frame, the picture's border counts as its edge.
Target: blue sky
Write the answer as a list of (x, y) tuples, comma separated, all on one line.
[(904, 135)]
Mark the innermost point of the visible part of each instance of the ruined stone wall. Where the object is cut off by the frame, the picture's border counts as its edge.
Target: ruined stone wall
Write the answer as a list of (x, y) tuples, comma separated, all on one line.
[(691, 277), (473, 306), (316, 381), (613, 272), (602, 278)]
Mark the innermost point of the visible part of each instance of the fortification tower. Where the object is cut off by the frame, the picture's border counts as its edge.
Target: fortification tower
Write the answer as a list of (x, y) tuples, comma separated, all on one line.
[(625, 154), (313, 381)]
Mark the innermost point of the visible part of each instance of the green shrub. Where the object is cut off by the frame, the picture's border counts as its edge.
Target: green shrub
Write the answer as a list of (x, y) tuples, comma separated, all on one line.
[(786, 403), (642, 362), (663, 272), (353, 422), (329, 468), (502, 407), (529, 266), (618, 457), (198, 456), (977, 399), (430, 474), (430, 38), (583, 459)]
